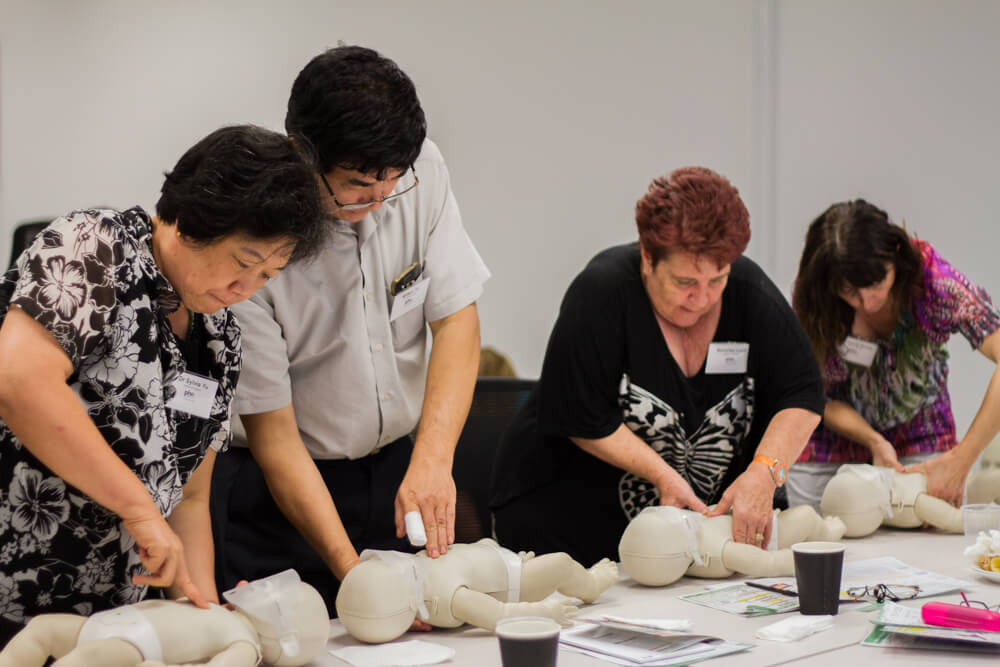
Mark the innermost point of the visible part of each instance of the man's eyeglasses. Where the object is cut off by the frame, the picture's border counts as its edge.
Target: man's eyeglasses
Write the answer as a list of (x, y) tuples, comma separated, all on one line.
[(364, 205), (882, 592)]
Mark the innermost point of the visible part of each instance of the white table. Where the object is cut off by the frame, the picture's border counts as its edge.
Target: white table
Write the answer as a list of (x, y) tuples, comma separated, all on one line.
[(840, 646)]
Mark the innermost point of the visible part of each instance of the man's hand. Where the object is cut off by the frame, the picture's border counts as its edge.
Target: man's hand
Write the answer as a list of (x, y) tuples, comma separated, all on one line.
[(429, 489), (751, 499)]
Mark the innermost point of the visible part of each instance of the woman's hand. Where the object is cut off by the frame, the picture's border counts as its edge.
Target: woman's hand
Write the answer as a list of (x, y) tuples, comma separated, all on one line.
[(162, 554), (945, 475), (676, 492), (884, 454), (751, 499)]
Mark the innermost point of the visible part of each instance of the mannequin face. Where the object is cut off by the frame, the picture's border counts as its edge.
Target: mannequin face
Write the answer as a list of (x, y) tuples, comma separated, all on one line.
[(684, 287)]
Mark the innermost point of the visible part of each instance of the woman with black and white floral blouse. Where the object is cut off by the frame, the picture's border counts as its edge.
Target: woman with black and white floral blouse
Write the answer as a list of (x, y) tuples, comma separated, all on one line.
[(118, 361)]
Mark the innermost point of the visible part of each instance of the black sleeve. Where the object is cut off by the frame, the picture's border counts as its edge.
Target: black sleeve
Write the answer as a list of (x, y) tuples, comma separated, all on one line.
[(584, 359), (781, 356)]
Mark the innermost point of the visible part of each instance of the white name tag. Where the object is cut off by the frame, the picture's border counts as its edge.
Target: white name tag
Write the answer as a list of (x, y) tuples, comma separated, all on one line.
[(855, 350), (726, 358), (410, 298), (194, 394)]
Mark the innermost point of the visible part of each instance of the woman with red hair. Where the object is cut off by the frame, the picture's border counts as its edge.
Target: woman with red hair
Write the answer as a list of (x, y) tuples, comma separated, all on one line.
[(676, 374)]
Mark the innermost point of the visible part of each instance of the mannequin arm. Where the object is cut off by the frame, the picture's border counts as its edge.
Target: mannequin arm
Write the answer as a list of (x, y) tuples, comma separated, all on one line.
[(754, 561), (938, 513), (483, 611)]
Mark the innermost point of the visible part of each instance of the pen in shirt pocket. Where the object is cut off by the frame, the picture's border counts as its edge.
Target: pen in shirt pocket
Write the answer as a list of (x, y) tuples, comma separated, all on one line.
[(406, 278)]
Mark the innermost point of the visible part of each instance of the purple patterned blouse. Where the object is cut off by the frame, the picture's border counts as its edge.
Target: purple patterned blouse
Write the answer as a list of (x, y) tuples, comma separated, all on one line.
[(904, 393)]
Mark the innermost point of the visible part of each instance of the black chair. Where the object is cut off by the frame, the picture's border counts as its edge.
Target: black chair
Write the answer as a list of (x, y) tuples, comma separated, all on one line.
[(24, 233), (495, 401)]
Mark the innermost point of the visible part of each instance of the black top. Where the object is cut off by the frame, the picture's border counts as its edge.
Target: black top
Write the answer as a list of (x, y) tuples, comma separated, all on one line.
[(607, 363)]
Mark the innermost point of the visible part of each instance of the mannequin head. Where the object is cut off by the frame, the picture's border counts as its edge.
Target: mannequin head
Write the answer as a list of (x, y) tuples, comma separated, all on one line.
[(864, 496), (659, 545), (289, 616), (375, 602)]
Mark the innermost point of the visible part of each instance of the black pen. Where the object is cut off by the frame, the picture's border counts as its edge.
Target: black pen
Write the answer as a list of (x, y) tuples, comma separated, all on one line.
[(772, 589)]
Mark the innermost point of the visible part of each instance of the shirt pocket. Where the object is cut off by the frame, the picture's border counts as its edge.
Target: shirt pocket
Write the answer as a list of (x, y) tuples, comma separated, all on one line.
[(407, 327)]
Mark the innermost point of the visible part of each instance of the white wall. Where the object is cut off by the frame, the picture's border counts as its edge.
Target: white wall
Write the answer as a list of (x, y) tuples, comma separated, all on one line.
[(894, 101), (553, 116)]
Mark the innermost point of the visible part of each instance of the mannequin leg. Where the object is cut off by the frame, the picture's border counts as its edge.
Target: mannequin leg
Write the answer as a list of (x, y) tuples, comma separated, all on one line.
[(543, 575), (46, 635), (104, 652), (755, 562), (801, 523)]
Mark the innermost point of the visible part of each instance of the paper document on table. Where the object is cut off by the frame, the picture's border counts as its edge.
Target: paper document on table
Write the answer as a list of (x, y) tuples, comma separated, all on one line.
[(898, 619), (885, 570), (738, 598), (630, 647)]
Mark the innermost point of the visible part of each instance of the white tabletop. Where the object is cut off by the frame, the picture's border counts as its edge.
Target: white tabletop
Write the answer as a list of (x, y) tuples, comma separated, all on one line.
[(928, 550)]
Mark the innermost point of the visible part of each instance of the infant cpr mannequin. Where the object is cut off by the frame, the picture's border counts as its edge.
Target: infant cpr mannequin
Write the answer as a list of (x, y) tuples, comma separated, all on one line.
[(866, 496), (278, 619), (663, 543), (478, 584)]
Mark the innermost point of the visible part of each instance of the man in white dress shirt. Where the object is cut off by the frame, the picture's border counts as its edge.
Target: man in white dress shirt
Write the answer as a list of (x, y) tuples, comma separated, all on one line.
[(338, 366)]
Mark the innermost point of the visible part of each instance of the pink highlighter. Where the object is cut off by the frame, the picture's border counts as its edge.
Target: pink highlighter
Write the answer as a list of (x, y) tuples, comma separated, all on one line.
[(960, 616)]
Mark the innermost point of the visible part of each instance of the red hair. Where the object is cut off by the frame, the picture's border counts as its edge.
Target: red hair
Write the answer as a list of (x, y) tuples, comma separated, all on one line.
[(693, 210)]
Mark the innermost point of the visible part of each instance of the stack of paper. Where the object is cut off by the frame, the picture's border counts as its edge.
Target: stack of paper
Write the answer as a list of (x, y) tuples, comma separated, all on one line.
[(903, 627), (623, 642)]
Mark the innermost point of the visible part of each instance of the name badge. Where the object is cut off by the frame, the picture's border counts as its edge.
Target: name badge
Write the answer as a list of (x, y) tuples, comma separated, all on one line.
[(858, 351), (194, 394), (410, 298), (726, 358)]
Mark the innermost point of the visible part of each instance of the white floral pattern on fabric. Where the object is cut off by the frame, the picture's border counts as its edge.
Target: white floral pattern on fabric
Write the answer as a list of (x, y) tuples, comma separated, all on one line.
[(702, 458), (90, 279)]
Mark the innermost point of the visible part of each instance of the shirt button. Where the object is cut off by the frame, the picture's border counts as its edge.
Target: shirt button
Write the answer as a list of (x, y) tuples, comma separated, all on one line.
[(378, 347), (386, 396)]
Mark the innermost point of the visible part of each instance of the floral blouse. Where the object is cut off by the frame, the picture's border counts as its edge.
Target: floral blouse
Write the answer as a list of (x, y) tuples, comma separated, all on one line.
[(90, 279), (904, 393)]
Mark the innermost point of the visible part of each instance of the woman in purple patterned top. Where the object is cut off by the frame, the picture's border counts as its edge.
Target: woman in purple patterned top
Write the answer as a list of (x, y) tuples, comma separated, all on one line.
[(878, 307)]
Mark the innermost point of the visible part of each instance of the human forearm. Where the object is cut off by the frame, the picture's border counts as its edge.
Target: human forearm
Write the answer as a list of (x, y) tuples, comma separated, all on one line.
[(428, 486), (192, 523), (787, 434), (986, 424), (451, 378), (298, 488), (844, 420)]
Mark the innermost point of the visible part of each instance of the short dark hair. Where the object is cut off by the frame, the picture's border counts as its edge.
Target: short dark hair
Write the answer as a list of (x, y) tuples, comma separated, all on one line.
[(850, 243), (358, 110), (693, 210), (245, 179)]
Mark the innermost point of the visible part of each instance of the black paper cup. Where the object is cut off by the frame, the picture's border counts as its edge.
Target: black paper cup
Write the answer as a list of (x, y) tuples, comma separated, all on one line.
[(818, 566), (528, 641)]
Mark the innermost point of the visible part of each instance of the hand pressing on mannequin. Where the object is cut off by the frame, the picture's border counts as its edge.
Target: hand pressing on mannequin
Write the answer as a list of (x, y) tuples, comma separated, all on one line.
[(478, 584), (866, 497), (662, 544), (278, 619)]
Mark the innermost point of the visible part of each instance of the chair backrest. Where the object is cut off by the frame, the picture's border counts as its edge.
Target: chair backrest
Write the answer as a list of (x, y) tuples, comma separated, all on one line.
[(24, 233), (495, 401)]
